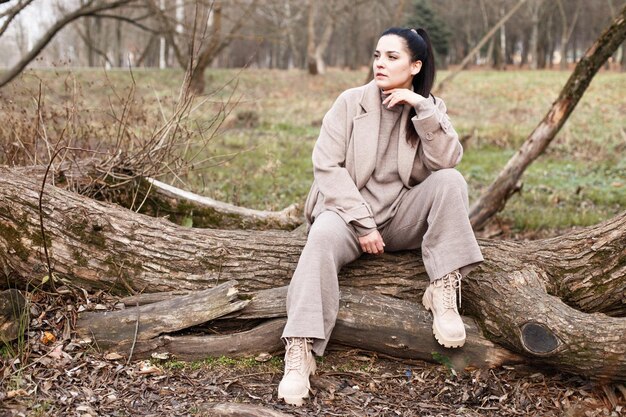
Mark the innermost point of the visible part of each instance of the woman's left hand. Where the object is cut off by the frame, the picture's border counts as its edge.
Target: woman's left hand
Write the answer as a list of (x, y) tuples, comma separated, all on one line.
[(402, 96)]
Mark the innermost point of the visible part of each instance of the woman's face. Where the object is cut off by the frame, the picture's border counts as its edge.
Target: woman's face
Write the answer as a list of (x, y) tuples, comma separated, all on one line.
[(392, 63)]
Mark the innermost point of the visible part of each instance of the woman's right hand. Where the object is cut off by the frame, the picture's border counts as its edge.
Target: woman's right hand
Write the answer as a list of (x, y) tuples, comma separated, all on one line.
[(372, 243)]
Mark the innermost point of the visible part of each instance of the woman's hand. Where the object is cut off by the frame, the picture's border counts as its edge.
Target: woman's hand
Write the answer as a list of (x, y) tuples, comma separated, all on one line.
[(402, 96), (372, 243)]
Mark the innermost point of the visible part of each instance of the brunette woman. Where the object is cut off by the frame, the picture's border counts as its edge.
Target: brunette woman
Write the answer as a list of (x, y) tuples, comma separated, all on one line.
[(384, 180)]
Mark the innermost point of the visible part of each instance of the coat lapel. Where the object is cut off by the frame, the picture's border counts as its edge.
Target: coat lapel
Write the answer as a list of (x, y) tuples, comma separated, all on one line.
[(366, 127), (406, 152)]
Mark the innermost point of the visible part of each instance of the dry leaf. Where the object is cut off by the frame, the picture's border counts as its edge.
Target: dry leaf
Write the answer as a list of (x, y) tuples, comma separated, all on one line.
[(162, 356), (48, 338), (146, 368), (263, 357), (17, 393), (113, 356)]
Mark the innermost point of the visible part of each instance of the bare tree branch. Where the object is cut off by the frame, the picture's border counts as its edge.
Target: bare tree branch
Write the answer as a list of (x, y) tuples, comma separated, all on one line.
[(87, 10), (133, 21), (12, 13), (93, 47), (168, 31)]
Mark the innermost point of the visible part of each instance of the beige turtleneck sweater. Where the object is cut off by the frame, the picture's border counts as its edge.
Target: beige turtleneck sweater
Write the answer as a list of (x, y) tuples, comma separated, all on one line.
[(385, 189)]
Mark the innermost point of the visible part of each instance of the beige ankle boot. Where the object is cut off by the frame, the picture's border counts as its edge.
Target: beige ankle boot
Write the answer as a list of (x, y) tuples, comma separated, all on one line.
[(299, 364), (440, 298)]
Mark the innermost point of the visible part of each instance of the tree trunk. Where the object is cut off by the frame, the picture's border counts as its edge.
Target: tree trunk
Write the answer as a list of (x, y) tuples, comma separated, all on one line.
[(507, 183), (401, 329), (534, 36), (518, 295), (311, 59)]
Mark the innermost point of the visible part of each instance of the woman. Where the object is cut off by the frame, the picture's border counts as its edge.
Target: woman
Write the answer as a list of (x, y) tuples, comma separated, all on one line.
[(383, 181)]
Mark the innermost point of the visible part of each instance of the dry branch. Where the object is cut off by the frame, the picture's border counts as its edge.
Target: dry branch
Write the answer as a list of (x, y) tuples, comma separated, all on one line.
[(149, 321)]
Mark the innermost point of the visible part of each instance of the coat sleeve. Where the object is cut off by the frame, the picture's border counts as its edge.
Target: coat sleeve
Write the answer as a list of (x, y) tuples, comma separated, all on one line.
[(333, 179), (440, 142)]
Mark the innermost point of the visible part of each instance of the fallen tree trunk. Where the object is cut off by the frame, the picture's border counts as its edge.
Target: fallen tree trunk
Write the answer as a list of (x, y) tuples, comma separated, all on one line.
[(149, 321), (516, 295), (370, 321)]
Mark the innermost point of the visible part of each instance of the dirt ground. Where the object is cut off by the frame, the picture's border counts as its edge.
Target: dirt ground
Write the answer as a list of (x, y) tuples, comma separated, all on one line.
[(349, 383), (54, 375)]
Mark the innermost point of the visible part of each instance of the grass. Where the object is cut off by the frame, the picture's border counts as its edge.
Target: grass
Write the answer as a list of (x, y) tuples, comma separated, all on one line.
[(579, 181), (273, 364)]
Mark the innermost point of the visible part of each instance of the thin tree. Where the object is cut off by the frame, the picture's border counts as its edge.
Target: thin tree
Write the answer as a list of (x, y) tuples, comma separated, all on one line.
[(566, 30)]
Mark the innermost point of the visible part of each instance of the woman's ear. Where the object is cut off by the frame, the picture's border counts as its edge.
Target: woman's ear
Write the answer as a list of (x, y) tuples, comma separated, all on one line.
[(416, 67)]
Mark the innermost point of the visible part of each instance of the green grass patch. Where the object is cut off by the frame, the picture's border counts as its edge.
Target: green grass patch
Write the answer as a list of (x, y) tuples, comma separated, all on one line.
[(275, 363)]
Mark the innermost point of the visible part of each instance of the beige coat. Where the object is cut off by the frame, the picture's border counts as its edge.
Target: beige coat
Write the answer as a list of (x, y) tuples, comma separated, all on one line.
[(344, 156)]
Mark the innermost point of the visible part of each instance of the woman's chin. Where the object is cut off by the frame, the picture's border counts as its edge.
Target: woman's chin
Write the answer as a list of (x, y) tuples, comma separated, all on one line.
[(382, 83)]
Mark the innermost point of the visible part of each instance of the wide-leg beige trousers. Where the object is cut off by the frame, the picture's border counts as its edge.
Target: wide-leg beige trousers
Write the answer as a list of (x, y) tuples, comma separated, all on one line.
[(432, 216)]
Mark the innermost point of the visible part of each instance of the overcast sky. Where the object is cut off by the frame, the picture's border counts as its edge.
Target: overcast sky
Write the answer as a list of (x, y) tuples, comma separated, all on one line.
[(35, 18)]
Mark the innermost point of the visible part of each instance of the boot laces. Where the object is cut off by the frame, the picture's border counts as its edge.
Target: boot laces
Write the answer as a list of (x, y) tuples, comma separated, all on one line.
[(451, 283), (295, 351)]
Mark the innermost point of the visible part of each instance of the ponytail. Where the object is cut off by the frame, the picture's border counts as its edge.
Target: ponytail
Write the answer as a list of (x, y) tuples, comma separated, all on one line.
[(424, 80)]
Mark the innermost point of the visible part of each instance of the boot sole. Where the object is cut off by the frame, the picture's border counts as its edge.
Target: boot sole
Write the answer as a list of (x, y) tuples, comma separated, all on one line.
[(294, 400), (448, 343)]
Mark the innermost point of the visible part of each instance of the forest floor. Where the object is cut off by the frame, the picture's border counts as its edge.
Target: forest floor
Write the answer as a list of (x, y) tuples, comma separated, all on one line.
[(55, 375), (261, 159)]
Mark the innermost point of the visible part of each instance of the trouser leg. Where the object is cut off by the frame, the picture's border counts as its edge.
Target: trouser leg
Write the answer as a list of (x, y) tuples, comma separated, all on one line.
[(433, 216), (313, 295)]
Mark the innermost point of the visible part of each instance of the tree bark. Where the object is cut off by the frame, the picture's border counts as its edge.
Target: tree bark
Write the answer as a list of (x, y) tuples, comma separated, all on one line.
[(239, 410), (149, 321), (534, 298), (310, 46), (158, 199), (506, 184), (371, 322), (534, 36)]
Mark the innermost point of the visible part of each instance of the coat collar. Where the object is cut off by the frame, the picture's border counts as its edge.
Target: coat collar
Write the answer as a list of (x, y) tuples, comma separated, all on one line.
[(366, 130)]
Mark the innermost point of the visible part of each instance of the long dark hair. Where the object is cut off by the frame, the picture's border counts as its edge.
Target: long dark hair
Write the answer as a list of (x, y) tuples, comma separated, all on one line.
[(421, 49)]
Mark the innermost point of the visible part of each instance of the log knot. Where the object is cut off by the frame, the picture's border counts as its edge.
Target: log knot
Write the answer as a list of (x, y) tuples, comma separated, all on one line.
[(538, 339)]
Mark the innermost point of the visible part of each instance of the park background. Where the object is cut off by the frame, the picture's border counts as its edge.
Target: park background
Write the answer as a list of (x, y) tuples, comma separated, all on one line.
[(114, 75)]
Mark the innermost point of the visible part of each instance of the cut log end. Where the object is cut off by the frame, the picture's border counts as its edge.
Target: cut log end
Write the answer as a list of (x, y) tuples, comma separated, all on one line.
[(538, 339)]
